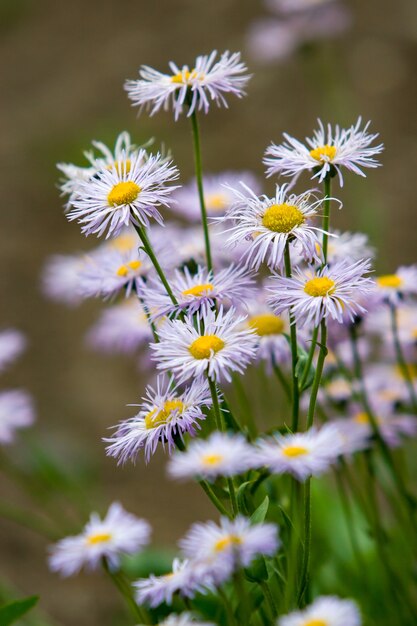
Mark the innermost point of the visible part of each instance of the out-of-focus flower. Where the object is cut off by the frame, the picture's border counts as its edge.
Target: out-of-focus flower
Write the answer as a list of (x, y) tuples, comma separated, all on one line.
[(348, 246), (326, 611), (117, 534), (12, 344), (16, 411), (183, 619), (209, 80), (394, 288)]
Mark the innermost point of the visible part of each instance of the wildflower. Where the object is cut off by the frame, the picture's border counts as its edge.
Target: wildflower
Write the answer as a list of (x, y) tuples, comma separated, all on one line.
[(207, 80), (392, 427), (236, 541), (301, 454), (12, 344), (332, 292), (165, 413), (183, 619), (60, 278), (117, 534), (200, 291), (324, 611), (325, 153), (218, 196), (216, 347), (116, 197), (183, 579), (16, 411), (121, 328), (348, 246), (219, 455), (394, 288), (268, 224)]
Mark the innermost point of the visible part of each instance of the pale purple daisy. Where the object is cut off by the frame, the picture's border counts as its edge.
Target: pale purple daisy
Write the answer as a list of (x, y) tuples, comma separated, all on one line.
[(325, 152), (119, 533), (208, 80), (395, 288), (165, 413), (348, 246), (60, 278), (16, 411), (12, 344), (324, 611), (183, 619)]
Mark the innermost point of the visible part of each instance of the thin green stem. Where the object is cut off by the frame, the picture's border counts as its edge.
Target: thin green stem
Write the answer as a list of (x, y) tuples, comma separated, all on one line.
[(232, 494), (216, 405), (405, 371), (148, 317), (231, 619), (283, 381), (215, 500), (294, 350), (318, 374), (140, 615), (307, 540), (310, 357), (199, 179), (269, 598)]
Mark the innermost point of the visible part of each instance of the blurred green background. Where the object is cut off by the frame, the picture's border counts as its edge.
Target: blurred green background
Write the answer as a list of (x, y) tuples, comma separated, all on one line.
[(63, 68)]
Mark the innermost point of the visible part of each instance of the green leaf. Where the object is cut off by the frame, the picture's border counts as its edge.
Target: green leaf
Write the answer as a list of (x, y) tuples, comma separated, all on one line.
[(257, 571), (241, 496), (11, 612), (258, 516)]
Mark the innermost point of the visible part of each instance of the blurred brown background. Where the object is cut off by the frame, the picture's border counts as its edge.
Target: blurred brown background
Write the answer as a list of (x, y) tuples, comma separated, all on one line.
[(63, 68)]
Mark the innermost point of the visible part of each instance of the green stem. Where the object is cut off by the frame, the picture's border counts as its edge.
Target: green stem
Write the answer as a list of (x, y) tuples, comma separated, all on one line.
[(294, 350), (216, 405), (148, 317), (231, 619), (283, 381), (27, 520), (232, 494), (309, 358), (318, 374), (401, 360), (199, 178), (269, 598), (140, 615), (215, 500), (307, 540)]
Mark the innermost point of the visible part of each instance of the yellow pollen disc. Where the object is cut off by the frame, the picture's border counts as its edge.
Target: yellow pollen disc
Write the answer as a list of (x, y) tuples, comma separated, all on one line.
[(124, 242), (225, 542), (156, 418), (216, 201), (211, 459), (123, 193), (183, 78), (391, 281), (320, 286), (361, 418), (98, 538), (198, 290), (316, 622), (267, 324), (203, 347), (292, 451), (323, 153), (124, 269), (282, 218), (121, 167)]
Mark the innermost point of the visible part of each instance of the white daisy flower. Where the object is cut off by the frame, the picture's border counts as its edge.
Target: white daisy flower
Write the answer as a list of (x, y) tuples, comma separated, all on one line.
[(354, 438), (116, 197), (16, 411), (324, 611), (301, 454), (184, 579), (183, 619), (385, 383), (60, 278), (218, 196), (12, 344), (200, 291), (207, 81), (237, 541), (294, 6), (214, 347), (220, 455), (348, 246), (333, 292), (119, 533), (325, 153), (394, 288), (165, 413), (268, 224), (121, 328)]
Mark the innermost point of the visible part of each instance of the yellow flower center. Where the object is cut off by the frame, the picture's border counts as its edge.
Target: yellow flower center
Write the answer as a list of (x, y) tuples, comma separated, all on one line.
[(392, 281), (124, 269), (319, 287), (361, 418), (316, 622), (211, 459), (226, 542), (93, 540), (121, 167), (292, 451), (323, 153), (267, 324), (216, 201), (185, 77), (124, 242), (282, 218), (205, 346), (156, 418), (198, 290), (125, 192)]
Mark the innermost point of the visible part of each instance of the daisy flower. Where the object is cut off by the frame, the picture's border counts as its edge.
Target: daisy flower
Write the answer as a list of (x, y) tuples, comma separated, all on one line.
[(16, 411), (218, 196), (237, 541), (183, 619), (214, 347), (268, 224), (394, 288), (324, 611), (121, 328), (119, 533), (325, 153), (353, 437), (165, 413), (301, 454), (200, 291), (209, 80), (12, 344), (392, 427), (116, 197), (348, 246), (220, 455), (60, 278), (332, 292)]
